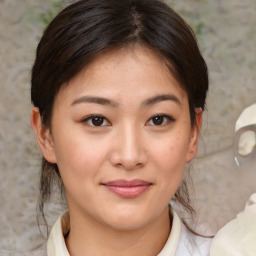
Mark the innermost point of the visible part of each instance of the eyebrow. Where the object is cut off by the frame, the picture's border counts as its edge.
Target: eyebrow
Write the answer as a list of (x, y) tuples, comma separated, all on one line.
[(104, 101), (94, 99), (160, 98)]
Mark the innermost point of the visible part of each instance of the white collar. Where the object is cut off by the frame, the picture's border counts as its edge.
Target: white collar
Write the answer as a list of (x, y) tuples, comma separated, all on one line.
[(56, 245), (174, 236)]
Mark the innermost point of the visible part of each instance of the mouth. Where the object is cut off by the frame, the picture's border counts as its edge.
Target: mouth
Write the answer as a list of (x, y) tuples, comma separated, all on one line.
[(126, 188)]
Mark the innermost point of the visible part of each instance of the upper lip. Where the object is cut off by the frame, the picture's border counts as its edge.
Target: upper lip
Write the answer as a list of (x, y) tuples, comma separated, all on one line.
[(127, 183)]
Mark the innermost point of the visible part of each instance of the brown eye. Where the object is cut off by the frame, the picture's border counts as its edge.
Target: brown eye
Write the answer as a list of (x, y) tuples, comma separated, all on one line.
[(158, 120), (96, 120)]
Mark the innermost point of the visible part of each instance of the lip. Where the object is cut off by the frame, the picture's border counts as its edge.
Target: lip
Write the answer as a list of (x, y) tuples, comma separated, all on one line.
[(127, 188)]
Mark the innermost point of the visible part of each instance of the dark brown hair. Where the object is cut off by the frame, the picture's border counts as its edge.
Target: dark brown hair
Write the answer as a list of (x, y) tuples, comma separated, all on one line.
[(88, 28)]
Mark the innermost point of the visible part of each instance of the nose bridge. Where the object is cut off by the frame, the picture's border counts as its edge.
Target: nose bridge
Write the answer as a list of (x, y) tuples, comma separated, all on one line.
[(130, 152), (130, 141)]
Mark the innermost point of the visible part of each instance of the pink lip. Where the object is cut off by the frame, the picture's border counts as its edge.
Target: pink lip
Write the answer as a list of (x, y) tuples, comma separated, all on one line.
[(127, 189)]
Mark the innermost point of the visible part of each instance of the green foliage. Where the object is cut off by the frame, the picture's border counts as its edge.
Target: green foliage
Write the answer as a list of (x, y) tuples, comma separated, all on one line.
[(199, 28), (53, 10)]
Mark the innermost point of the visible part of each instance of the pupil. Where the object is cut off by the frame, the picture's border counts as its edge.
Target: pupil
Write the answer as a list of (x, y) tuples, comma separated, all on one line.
[(97, 120), (158, 120)]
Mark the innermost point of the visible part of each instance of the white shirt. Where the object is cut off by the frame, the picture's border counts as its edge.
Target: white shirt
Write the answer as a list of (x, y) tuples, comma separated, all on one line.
[(180, 241)]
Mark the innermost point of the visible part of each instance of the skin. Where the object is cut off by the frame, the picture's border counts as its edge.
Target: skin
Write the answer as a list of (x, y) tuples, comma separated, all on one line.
[(128, 145)]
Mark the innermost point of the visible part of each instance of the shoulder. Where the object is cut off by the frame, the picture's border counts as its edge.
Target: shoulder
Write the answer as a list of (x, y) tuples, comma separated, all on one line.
[(191, 244), (182, 242), (56, 242)]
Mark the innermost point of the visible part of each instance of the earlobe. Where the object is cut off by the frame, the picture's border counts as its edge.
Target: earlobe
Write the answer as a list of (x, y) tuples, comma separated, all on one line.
[(193, 145), (43, 135)]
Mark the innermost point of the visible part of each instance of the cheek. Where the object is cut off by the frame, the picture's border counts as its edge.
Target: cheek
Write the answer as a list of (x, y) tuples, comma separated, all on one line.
[(79, 155), (172, 151), (170, 160)]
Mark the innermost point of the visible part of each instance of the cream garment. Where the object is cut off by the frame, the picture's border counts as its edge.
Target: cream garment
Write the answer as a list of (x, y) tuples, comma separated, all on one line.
[(180, 242), (238, 237)]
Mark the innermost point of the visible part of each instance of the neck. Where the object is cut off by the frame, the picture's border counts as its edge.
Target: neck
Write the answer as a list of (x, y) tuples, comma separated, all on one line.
[(89, 237)]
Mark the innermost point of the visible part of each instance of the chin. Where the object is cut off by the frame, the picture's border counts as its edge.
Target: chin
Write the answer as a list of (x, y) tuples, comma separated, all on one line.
[(128, 218), (128, 224)]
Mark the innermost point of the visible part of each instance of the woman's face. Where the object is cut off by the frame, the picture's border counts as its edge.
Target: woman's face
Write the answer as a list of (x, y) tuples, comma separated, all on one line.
[(121, 137)]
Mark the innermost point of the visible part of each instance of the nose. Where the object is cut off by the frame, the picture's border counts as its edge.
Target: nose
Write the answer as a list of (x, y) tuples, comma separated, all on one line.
[(129, 151)]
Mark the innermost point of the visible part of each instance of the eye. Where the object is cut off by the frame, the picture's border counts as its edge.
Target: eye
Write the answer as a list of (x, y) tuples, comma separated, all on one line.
[(96, 120), (160, 120)]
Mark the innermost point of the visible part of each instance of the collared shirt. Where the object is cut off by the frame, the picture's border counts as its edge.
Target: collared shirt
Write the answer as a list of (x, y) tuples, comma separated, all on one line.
[(180, 241)]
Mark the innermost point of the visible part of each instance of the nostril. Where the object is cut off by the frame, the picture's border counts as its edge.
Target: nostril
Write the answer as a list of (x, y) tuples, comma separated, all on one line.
[(128, 150), (128, 162)]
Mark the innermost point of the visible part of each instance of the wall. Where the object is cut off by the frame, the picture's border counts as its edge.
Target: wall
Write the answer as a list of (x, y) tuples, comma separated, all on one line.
[(226, 33)]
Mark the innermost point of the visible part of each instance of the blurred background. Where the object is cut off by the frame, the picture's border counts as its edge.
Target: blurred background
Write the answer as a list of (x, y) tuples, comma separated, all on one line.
[(226, 32)]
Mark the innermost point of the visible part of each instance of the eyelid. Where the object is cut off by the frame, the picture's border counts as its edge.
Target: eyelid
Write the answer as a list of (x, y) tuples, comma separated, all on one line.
[(169, 118), (89, 118)]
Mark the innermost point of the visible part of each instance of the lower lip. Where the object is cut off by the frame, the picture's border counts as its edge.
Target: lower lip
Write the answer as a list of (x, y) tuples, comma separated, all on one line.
[(128, 192)]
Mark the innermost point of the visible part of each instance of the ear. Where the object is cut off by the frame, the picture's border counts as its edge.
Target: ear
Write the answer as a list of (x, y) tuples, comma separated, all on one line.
[(193, 144), (43, 135)]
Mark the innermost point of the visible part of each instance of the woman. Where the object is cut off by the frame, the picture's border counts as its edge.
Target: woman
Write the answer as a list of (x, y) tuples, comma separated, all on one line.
[(119, 88)]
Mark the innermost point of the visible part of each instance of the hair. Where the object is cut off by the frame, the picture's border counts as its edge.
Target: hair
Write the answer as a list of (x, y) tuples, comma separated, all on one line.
[(87, 28)]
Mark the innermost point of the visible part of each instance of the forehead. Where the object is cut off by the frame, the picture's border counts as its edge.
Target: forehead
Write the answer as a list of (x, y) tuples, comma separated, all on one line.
[(122, 73)]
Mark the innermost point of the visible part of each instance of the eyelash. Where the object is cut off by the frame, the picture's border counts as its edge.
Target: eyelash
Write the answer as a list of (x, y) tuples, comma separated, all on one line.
[(167, 119), (89, 120)]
